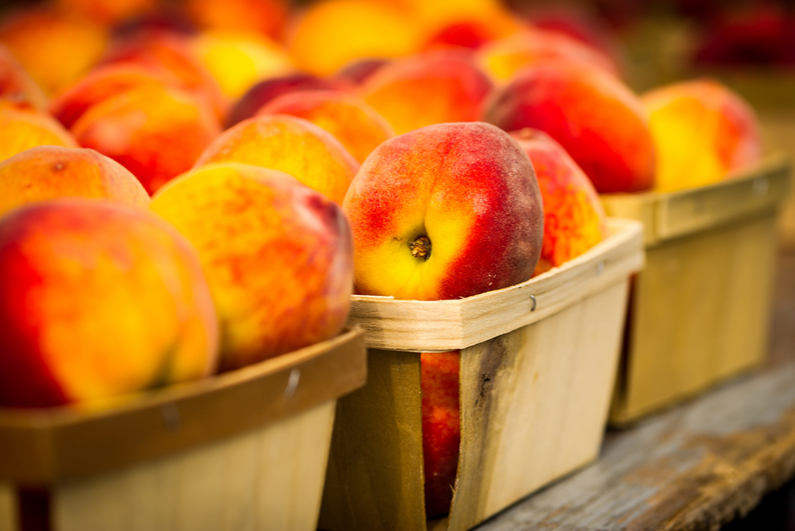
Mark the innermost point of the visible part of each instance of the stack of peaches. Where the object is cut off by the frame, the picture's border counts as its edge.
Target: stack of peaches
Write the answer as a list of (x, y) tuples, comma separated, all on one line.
[(198, 186)]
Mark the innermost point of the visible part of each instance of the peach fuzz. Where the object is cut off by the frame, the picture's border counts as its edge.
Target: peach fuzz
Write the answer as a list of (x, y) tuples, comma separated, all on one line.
[(16, 83), (265, 17), (443, 212), (354, 123), (441, 428), (501, 59), (277, 255), (331, 33), (598, 120), (55, 47), (155, 132), (266, 90), (702, 131), (427, 89), (574, 219), (48, 172), (289, 144), (97, 300), (22, 128)]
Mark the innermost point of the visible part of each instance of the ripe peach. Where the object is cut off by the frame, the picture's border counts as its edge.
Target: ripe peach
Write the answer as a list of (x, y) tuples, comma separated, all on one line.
[(444, 212), (277, 255), (55, 47), (503, 58), (574, 219), (468, 34), (357, 71), (596, 118), (155, 132), (436, 15), (238, 60), (266, 90), (702, 131), (441, 428), (47, 172), (331, 33), (98, 299), (109, 11), (16, 83), (22, 127), (427, 89), (169, 52), (289, 144), (266, 17), (354, 123)]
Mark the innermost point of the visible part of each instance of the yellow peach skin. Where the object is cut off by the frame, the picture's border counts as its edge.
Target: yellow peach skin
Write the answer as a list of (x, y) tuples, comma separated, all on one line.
[(277, 255), (354, 123), (289, 144), (702, 131), (48, 172), (98, 299), (24, 129)]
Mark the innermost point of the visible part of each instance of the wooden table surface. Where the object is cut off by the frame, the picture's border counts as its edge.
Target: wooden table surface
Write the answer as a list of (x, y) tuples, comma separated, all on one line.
[(694, 467)]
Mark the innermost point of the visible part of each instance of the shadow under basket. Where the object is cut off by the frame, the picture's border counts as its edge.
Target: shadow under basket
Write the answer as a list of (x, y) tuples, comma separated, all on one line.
[(242, 450), (699, 311), (537, 366)]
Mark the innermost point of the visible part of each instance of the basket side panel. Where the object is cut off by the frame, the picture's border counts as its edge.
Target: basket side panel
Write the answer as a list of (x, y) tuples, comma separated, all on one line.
[(374, 479), (699, 315), (270, 478), (535, 402), (8, 510)]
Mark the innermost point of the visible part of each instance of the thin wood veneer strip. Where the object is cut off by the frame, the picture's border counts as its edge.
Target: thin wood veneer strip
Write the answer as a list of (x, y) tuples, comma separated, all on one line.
[(428, 326)]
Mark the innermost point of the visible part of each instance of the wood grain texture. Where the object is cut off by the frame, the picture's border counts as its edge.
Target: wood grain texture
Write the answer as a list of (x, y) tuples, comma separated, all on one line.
[(693, 468), (8, 509), (58, 444), (534, 404), (267, 479), (427, 326), (699, 314), (375, 476)]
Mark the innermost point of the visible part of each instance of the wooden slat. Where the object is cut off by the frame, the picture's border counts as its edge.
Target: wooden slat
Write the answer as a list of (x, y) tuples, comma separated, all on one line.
[(457, 324), (8, 508), (267, 479), (44, 446), (534, 403), (692, 468), (375, 476)]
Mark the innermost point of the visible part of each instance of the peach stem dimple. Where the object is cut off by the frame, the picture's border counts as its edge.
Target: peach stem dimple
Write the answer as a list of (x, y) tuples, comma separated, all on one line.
[(421, 247)]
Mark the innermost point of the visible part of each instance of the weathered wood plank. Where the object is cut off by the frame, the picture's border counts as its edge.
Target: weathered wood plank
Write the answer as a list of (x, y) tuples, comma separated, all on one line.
[(692, 468)]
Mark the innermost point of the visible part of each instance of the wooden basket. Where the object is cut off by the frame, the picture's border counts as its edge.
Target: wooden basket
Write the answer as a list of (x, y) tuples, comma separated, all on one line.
[(537, 366), (699, 311), (244, 450)]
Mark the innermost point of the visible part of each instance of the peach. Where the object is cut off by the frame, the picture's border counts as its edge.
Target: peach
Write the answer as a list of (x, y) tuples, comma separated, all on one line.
[(503, 58), (433, 16), (22, 128), (331, 33), (266, 17), (357, 71), (238, 60), (443, 212), (48, 172), (103, 83), (109, 11), (98, 299), (598, 120), (277, 255), (171, 53), (354, 123), (441, 428), (427, 89), (55, 47), (267, 89), (574, 219), (702, 131), (155, 132), (469, 34), (16, 83), (289, 144)]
